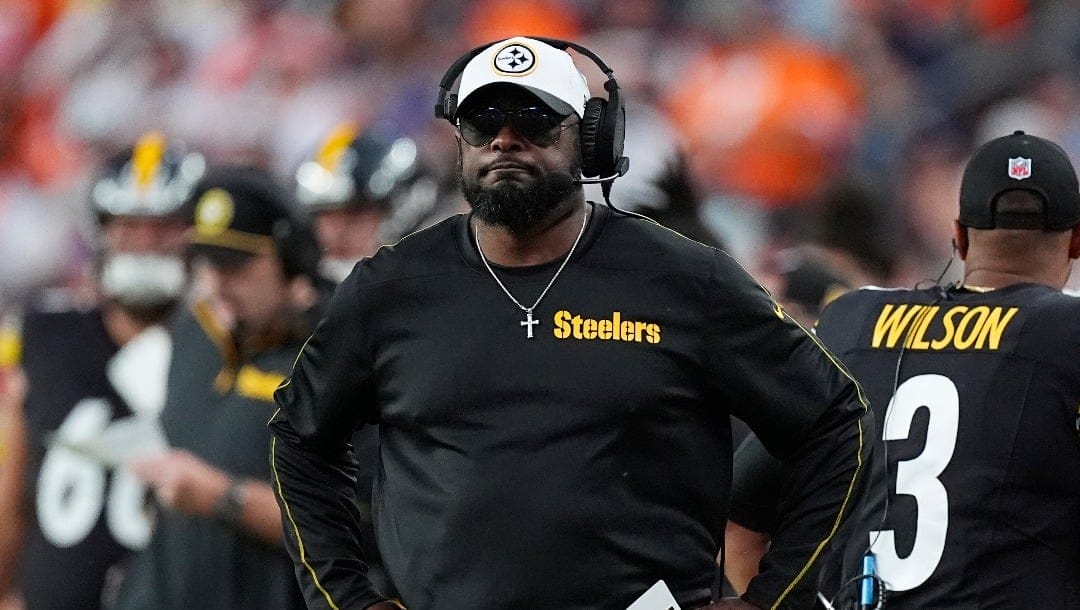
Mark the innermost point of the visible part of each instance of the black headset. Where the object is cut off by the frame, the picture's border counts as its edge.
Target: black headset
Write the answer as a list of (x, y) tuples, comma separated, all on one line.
[(603, 126)]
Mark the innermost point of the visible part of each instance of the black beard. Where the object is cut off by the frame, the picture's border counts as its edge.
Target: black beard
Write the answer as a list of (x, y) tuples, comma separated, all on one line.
[(519, 208)]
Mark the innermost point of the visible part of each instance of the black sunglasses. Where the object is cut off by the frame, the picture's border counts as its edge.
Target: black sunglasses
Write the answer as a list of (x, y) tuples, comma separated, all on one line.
[(538, 125)]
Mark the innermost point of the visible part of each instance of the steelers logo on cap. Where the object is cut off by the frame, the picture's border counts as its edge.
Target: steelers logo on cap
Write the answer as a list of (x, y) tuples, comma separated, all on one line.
[(514, 59), (214, 212)]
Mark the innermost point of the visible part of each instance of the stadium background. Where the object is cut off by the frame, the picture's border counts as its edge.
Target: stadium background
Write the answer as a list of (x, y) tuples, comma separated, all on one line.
[(850, 116)]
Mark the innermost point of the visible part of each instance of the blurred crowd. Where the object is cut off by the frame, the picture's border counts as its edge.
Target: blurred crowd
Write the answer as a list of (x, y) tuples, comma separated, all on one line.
[(836, 127)]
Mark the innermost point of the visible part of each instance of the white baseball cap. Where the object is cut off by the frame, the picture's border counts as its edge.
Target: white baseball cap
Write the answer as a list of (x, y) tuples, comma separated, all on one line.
[(546, 72)]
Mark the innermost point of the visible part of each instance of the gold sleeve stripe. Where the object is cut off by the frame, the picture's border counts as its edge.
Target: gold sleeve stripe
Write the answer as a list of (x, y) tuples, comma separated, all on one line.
[(832, 532), (288, 378), (296, 528), (836, 362), (854, 475)]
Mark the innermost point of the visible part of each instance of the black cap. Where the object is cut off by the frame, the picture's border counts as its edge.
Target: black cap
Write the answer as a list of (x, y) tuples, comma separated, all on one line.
[(237, 211), (1019, 162)]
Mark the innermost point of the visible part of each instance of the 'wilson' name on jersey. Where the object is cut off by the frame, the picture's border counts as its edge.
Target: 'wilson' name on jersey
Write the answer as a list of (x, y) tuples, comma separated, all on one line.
[(937, 327)]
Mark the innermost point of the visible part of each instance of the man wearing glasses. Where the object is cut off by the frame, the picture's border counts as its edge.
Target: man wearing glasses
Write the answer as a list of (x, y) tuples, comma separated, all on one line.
[(552, 381)]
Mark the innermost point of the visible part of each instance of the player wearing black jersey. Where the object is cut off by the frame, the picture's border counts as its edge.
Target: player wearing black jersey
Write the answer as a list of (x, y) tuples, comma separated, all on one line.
[(552, 383), (74, 514), (976, 389)]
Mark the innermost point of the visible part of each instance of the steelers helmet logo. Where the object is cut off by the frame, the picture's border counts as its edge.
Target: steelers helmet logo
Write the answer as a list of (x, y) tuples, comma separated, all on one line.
[(214, 212), (514, 59)]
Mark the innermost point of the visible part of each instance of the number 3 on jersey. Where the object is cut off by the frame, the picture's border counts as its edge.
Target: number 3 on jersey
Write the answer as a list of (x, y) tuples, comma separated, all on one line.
[(918, 477), (71, 488)]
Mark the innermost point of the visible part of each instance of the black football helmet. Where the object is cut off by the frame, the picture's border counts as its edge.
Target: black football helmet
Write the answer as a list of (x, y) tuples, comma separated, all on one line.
[(153, 178), (369, 169)]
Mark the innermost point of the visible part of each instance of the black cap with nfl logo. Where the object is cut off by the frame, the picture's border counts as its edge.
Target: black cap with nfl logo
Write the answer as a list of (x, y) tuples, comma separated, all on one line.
[(1020, 161)]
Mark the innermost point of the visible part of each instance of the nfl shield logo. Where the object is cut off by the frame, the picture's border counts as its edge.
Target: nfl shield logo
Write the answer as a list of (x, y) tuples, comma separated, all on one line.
[(1019, 168)]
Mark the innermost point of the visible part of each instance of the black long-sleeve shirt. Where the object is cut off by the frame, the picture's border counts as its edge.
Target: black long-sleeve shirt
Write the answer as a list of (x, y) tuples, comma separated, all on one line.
[(573, 469)]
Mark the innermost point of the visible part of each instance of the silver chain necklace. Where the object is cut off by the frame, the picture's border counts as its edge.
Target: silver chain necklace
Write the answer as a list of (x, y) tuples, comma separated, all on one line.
[(529, 321)]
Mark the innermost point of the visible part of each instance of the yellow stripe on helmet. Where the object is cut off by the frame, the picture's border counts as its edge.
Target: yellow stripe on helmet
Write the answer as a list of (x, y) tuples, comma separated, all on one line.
[(335, 144), (146, 159)]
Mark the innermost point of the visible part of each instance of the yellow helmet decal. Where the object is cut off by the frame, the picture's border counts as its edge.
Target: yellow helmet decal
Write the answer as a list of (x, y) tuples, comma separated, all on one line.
[(146, 159), (335, 144)]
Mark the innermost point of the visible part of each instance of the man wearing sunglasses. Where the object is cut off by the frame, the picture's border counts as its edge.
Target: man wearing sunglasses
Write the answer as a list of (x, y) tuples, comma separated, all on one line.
[(515, 155), (552, 382)]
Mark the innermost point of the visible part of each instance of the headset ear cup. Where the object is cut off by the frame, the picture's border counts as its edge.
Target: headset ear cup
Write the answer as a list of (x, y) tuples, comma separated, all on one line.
[(616, 138), (593, 161)]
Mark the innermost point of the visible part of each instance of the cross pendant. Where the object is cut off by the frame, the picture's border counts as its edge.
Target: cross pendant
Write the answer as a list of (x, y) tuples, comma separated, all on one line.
[(528, 323)]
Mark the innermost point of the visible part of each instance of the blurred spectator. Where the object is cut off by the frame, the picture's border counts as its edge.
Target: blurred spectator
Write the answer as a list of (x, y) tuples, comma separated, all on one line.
[(41, 243), (849, 227), (490, 20), (396, 49), (843, 239), (264, 88), (677, 204), (767, 116), (101, 77), (929, 178)]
